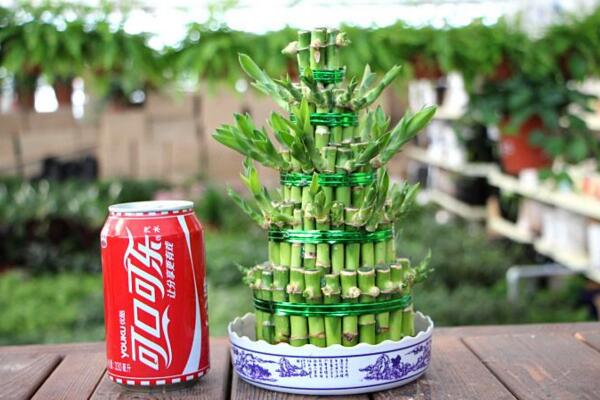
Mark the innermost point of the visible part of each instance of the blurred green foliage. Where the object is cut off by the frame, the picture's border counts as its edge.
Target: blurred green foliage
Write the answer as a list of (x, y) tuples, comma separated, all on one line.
[(61, 39), (54, 226), (467, 286), (50, 308)]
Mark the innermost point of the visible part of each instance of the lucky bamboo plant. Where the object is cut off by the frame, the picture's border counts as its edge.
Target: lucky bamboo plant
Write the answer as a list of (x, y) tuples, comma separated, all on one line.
[(331, 224)]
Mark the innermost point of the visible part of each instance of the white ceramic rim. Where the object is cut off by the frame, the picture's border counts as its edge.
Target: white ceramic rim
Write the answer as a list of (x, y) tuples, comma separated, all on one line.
[(286, 348)]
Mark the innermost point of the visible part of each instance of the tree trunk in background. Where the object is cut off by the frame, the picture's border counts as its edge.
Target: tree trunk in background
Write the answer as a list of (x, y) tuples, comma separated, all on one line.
[(25, 91), (502, 72), (425, 69), (63, 89)]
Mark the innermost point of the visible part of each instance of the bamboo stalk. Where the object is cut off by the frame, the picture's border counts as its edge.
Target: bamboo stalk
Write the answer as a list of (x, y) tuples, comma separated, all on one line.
[(303, 55), (358, 192), (318, 48), (368, 293), (313, 295), (296, 191), (343, 194), (298, 324), (408, 315), (265, 290), (381, 255), (310, 250), (287, 157), (367, 254), (256, 285), (396, 324), (299, 330), (323, 249), (386, 287), (274, 254), (337, 249), (350, 294), (296, 248), (352, 249), (333, 53), (347, 134), (390, 246), (285, 248), (333, 63), (282, 322), (332, 295), (328, 154)]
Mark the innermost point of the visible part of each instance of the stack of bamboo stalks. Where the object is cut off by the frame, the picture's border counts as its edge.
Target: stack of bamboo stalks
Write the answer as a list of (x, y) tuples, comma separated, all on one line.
[(331, 224)]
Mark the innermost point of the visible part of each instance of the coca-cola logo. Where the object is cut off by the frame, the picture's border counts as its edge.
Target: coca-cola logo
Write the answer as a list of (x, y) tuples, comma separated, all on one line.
[(143, 260)]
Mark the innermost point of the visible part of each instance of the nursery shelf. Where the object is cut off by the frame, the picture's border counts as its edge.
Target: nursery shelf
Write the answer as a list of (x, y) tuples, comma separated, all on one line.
[(467, 169), (569, 201), (575, 261), (455, 206), (446, 114), (509, 230)]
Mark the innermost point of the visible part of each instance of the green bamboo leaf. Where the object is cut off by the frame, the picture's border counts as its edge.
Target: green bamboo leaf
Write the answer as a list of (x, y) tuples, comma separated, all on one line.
[(366, 82), (246, 207), (405, 131), (423, 270), (362, 101)]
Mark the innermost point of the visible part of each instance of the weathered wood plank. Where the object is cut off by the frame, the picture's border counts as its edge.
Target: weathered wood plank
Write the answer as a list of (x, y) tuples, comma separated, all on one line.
[(75, 377), (541, 366), (454, 373), (62, 349), (486, 330), (240, 390), (475, 330), (590, 338), (21, 373), (213, 386)]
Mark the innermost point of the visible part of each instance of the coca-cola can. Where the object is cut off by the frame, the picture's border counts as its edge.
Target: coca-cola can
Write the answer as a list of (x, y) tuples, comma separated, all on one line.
[(154, 294)]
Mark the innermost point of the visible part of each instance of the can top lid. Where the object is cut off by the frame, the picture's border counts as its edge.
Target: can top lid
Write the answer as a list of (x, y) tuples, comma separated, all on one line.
[(151, 206)]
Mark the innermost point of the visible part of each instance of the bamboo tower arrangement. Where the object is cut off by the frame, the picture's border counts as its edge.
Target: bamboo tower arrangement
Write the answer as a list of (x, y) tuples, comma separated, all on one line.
[(333, 276)]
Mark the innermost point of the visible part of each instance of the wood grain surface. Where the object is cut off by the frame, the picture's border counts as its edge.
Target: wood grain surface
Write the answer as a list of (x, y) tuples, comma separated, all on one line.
[(543, 361), (541, 366)]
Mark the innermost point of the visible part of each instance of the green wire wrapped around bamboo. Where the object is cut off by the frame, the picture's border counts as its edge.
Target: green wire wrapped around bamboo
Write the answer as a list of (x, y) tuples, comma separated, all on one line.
[(331, 225)]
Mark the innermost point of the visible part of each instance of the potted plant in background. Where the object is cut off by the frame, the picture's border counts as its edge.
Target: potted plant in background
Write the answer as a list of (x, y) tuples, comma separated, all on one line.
[(116, 78), (15, 43), (479, 148), (41, 42), (537, 118)]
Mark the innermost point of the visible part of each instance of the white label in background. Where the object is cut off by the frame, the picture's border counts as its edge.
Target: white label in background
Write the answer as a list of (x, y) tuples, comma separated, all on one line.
[(593, 239)]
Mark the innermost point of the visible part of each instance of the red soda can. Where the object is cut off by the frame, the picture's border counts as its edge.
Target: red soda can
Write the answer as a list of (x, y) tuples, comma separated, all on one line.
[(154, 293)]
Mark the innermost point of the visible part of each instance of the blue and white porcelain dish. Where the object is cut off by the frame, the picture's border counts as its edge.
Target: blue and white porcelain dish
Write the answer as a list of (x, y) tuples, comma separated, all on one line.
[(333, 370)]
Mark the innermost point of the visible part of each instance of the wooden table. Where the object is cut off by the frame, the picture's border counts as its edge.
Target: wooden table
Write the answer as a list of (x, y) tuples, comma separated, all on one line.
[(552, 361)]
